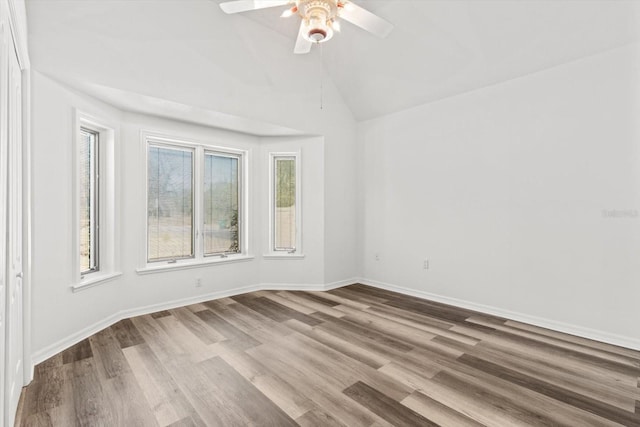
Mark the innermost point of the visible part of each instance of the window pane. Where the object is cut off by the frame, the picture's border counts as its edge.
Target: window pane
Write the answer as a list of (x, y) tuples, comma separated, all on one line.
[(285, 203), (221, 204), (170, 203), (88, 201)]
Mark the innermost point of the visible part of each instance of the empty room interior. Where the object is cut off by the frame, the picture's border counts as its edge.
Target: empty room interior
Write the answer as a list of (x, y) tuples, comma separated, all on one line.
[(320, 213)]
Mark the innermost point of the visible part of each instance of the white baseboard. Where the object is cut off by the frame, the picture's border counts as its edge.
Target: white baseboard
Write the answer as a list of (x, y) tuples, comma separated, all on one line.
[(61, 345), (593, 334)]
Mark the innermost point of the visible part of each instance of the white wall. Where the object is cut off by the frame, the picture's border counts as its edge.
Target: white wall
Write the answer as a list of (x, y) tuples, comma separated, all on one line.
[(56, 312), (311, 268), (61, 316), (503, 190)]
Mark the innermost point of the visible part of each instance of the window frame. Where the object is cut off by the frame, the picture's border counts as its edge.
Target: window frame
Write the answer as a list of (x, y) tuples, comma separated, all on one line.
[(107, 202), (241, 208), (95, 201), (274, 252), (199, 149), (193, 207)]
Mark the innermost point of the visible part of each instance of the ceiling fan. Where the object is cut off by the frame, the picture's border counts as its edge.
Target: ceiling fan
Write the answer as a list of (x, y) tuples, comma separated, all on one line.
[(319, 18)]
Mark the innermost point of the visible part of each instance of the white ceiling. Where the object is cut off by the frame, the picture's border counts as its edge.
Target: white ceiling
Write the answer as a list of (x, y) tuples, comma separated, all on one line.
[(178, 49)]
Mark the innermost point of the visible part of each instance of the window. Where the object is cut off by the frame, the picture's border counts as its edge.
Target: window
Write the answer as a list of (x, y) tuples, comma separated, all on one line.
[(95, 205), (221, 204), (195, 203), (285, 203), (170, 203), (89, 200)]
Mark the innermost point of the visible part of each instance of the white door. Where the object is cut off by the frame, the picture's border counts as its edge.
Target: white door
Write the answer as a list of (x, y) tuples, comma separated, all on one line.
[(14, 332), (3, 205)]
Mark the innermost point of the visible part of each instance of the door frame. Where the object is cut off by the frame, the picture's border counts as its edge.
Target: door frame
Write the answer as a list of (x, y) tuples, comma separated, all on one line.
[(4, 206), (17, 18), (13, 15)]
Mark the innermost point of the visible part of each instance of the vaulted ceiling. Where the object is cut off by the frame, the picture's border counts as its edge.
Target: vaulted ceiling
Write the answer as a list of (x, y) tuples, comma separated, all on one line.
[(439, 48)]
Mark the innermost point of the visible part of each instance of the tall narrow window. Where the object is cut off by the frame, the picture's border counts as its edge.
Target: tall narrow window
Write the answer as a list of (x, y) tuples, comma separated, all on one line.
[(221, 204), (95, 207), (170, 203), (284, 203), (89, 200)]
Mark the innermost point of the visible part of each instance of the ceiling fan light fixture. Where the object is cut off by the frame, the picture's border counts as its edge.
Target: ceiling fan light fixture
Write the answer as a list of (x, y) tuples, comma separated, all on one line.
[(317, 18)]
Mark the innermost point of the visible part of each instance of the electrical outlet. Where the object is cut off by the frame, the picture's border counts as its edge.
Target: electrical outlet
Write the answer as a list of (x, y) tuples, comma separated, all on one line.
[(198, 282), (377, 257), (425, 264)]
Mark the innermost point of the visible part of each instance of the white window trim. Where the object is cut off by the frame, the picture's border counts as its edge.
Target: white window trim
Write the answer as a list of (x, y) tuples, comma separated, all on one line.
[(199, 259), (108, 204), (271, 253)]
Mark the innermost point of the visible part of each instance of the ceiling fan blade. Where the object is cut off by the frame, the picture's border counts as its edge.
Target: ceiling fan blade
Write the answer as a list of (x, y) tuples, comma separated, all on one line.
[(246, 5), (302, 44), (366, 20)]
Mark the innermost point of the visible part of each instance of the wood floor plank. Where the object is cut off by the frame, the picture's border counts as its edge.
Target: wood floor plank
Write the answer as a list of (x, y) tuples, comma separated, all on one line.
[(88, 395), (362, 331), (300, 298), (343, 346), (182, 335), (319, 297), (230, 332), (354, 356), (352, 369), (274, 310), (161, 390), (350, 293), (576, 367), (425, 323), (164, 347), (559, 393), (223, 397), (79, 351), (507, 409), (612, 366), (413, 336), (196, 326), (108, 355), (283, 394), (184, 422), (562, 413), (604, 392), (576, 349), (574, 339), (126, 407), (126, 333), (315, 418), (416, 320), (386, 407), (345, 301), (437, 412), (318, 387), (252, 323), (160, 314), (289, 303)]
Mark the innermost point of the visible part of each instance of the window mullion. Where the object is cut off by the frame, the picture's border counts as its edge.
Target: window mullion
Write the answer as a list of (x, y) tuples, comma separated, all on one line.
[(198, 203)]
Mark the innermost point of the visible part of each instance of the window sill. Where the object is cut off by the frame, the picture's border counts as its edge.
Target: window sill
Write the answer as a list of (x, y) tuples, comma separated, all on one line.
[(283, 256), (159, 268), (91, 281)]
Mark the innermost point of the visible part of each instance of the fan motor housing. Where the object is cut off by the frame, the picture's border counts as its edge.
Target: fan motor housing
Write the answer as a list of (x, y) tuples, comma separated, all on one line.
[(318, 16)]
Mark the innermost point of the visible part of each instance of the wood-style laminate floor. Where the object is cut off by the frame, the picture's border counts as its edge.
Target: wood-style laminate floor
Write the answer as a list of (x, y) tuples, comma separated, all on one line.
[(355, 356)]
